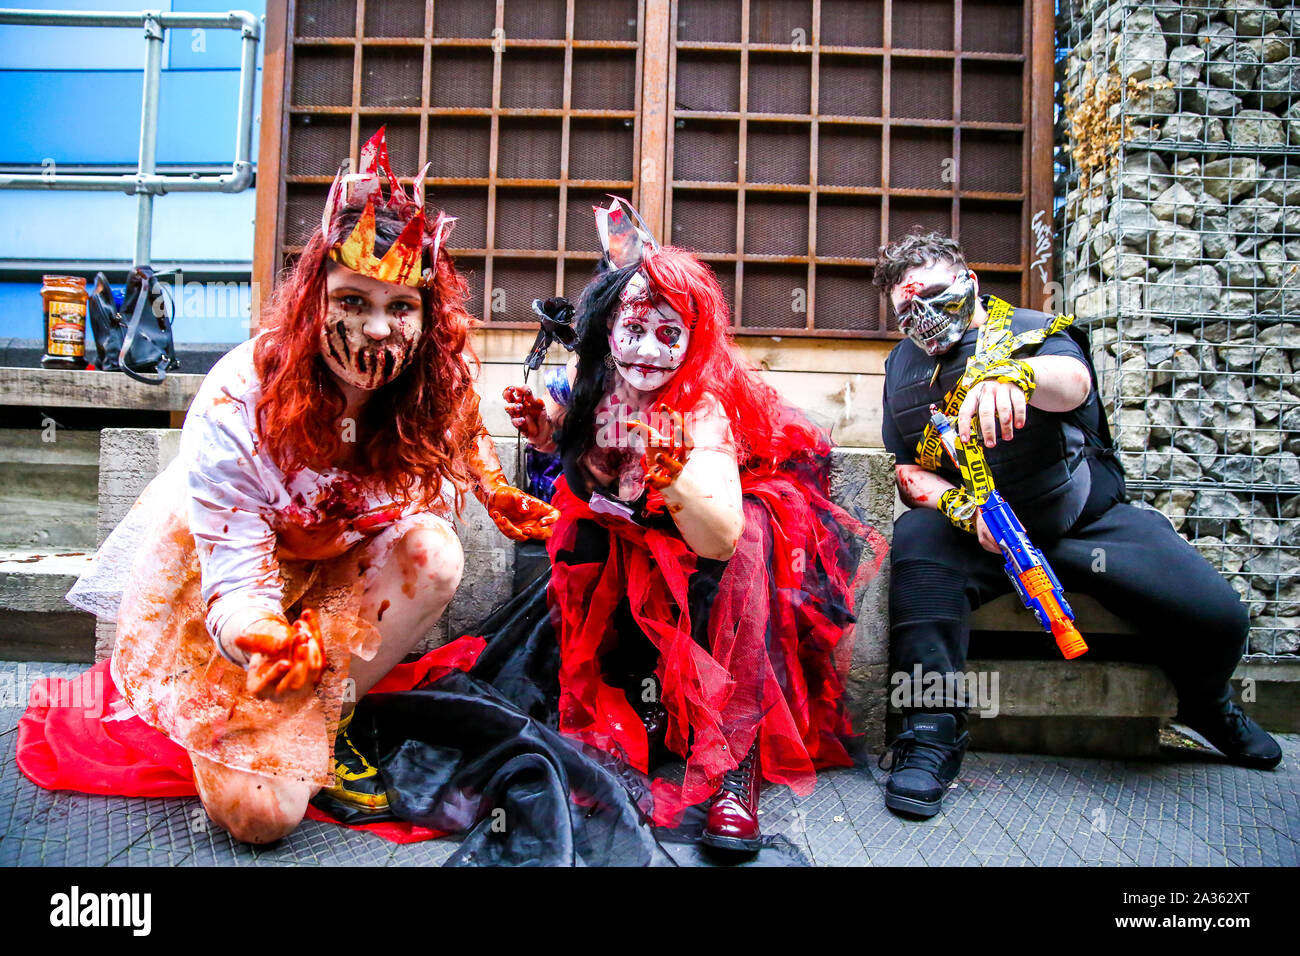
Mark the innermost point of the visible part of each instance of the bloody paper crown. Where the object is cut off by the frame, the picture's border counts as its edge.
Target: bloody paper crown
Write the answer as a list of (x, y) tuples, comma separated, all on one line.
[(402, 264)]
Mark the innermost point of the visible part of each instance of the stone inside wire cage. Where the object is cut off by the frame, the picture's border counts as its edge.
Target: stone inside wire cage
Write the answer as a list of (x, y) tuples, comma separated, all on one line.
[(1181, 253)]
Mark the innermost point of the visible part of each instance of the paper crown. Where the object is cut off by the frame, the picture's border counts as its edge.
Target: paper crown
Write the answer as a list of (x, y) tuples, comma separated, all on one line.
[(402, 263), (623, 234)]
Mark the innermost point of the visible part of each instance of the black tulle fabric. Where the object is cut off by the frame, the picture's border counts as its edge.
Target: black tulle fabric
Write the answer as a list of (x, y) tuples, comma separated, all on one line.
[(476, 754)]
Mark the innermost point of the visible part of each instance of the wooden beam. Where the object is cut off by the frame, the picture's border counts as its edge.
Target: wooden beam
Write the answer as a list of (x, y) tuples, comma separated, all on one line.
[(62, 388), (1041, 69), (273, 117), (651, 170), (777, 352)]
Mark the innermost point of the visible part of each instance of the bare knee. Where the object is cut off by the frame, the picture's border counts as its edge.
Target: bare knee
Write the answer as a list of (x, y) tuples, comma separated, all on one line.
[(436, 559), (251, 807)]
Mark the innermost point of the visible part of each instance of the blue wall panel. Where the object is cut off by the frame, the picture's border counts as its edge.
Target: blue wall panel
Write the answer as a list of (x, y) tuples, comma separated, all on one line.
[(196, 122), (210, 49), (215, 313), (120, 48), (214, 227), (75, 48), (75, 98)]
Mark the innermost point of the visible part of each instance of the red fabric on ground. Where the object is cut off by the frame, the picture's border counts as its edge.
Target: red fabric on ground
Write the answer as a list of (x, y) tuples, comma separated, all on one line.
[(69, 738)]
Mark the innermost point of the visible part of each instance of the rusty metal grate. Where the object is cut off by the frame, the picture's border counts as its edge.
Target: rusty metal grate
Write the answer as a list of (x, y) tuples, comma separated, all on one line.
[(394, 18), (806, 133), (510, 103), (781, 139), (326, 18)]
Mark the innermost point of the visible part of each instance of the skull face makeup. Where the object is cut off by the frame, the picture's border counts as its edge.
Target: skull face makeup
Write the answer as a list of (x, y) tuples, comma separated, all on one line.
[(647, 342), (934, 312), (371, 328)]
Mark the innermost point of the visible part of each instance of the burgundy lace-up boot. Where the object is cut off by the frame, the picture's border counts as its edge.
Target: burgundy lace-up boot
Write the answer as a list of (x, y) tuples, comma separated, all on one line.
[(733, 815)]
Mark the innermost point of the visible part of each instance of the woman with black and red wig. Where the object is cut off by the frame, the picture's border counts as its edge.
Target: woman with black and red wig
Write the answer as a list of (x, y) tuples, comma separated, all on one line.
[(702, 582), (302, 542)]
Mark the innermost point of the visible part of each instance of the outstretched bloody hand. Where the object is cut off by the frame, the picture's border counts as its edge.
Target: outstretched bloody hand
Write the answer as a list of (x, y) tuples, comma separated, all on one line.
[(520, 516), (528, 414), (282, 658), (517, 514), (665, 456)]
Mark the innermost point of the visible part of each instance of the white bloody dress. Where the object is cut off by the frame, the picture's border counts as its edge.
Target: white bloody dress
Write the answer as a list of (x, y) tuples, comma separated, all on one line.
[(222, 528)]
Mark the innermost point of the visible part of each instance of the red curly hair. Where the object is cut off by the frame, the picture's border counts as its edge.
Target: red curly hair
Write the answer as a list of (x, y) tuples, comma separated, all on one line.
[(413, 433)]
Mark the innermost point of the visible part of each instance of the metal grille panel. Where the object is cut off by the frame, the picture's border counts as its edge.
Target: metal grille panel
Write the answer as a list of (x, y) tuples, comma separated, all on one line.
[(777, 154), (890, 73), (923, 24), (317, 144), (991, 161), (854, 22), (391, 78), (530, 149), (709, 20), (605, 19), (463, 18), (395, 18), (322, 78), (326, 18), (776, 226), (709, 151), (536, 19), (490, 97), (800, 135)]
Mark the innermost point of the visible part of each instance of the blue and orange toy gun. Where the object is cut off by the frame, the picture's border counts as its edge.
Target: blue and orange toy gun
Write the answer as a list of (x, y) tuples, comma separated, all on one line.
[(1025, 565)]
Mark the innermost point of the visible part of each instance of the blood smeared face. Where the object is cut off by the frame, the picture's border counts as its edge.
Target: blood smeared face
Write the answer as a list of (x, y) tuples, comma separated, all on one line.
[(371, 328), (648, 341)]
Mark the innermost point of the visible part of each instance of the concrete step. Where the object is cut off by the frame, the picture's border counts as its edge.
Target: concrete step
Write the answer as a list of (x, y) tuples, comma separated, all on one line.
[(49, 488), (36, 622)]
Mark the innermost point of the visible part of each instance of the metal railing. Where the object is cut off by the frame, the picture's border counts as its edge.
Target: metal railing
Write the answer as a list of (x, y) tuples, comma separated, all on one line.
[(146, 182)]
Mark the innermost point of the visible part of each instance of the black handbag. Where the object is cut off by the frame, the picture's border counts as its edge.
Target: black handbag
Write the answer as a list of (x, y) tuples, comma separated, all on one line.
[(137, 338)]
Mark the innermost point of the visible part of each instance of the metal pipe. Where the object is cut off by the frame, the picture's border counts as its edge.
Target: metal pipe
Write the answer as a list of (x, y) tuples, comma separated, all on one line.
[(247, 84), (153, 49), (232, 20), (132, 184)]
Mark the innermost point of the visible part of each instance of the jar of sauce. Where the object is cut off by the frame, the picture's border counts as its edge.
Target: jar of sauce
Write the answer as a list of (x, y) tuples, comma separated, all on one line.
[(63, 300)]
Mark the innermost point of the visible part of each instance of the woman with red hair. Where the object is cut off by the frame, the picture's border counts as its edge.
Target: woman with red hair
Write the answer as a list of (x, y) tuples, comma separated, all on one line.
[(702, 582), (320, 467)]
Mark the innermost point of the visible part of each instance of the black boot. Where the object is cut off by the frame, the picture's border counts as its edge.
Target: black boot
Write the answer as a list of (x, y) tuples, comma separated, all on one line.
[(1235, 735), (925, 759)]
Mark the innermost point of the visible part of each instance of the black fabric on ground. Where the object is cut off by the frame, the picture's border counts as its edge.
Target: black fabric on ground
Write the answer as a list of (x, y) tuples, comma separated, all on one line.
[(477, 754)]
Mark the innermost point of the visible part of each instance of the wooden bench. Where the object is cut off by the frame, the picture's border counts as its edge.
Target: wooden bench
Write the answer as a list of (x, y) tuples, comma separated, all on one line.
[(1082, 707)]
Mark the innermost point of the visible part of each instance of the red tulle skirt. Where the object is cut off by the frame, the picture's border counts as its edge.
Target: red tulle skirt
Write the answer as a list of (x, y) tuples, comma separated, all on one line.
[(768, 664)]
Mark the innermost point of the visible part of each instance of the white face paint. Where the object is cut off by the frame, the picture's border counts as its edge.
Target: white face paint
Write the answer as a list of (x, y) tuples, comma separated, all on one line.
[(371, 328), (648, 342)]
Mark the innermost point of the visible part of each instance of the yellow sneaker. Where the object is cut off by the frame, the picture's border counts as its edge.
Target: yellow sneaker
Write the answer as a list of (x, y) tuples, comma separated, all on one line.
[(357, 782)]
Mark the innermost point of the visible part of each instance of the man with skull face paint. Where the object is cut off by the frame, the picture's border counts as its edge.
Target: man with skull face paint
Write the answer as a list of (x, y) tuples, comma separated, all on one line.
[(320, 467), (1029, 395)]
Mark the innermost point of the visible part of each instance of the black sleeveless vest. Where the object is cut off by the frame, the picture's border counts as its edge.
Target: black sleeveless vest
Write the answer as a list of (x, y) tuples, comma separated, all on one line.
[(1043, 472)]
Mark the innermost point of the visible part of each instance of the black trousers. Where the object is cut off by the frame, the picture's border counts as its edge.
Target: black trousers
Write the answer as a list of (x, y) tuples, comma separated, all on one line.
[(1131, 560)]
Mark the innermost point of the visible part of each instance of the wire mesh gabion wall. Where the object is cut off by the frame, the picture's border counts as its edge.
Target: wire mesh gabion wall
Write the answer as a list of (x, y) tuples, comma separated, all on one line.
[(1181, 222)]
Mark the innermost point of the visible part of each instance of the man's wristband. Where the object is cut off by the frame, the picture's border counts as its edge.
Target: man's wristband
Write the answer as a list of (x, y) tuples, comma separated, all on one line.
[(960, 508)]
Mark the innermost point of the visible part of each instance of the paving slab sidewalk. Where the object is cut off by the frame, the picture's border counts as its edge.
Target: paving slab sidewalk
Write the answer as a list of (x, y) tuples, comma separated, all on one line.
[(1188, 808)]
